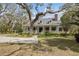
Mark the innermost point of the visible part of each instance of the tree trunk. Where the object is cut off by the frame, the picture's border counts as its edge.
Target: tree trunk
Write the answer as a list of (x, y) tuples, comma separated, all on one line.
[(77, 37), (31, 29)]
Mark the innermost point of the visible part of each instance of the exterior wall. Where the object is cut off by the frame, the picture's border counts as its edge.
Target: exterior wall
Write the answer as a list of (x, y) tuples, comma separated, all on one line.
[(41, 29)]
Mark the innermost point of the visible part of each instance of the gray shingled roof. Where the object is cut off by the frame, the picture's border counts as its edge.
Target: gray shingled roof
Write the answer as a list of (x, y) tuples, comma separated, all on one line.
[(47, 20)]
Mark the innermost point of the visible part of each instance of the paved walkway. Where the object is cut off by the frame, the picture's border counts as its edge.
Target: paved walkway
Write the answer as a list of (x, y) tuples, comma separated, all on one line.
[(4, 39)]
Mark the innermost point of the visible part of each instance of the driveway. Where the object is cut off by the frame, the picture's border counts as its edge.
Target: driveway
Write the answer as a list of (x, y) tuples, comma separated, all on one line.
[(4, 39)]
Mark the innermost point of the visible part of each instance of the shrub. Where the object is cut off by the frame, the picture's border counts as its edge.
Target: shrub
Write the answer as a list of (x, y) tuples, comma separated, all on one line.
[(55, 34)]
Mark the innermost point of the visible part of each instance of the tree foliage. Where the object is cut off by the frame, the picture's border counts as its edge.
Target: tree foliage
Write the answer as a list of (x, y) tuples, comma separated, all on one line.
[(14, 16), (71, 16)]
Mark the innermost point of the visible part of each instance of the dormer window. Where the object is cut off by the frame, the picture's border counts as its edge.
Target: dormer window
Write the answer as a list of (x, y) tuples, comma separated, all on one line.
[(40, 21), (48, 22), (54, 19)]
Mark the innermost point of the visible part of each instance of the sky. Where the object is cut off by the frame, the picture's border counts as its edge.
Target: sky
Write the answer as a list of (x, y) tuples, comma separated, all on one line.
[(54, 6)]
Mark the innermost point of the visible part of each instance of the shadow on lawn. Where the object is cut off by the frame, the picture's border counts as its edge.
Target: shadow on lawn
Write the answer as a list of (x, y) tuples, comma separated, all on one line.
[(63, 44), (48, 44)]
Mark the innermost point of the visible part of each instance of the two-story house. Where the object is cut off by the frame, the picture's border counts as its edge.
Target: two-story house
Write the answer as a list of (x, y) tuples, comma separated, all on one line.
[(47, 23)]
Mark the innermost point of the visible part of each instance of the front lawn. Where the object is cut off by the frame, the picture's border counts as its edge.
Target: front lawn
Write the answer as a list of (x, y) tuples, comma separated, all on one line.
[(46, 46)]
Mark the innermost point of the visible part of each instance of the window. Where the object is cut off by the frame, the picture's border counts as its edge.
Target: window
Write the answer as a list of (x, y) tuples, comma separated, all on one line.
[(48, 22), (40, 29), (28, 28), (60, 29), (39, 22), (53, 28), (47, 28), (34, 28)]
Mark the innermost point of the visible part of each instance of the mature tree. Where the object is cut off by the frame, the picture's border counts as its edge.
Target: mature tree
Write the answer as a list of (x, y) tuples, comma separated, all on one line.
[(66, 19), (29, 7), (9, 18), (6, 22), (70, 17)]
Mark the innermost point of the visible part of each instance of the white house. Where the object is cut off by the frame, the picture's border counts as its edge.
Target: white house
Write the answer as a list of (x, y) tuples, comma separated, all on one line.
[(47, 23)]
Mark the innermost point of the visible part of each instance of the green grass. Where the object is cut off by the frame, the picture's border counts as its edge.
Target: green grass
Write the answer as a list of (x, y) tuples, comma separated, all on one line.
[(41, 35), (17, 35), (55, 34), (49, 44), (46, 46)]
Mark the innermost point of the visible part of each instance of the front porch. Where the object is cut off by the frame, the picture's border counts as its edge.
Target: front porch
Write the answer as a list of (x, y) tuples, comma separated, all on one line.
[(42, 29)]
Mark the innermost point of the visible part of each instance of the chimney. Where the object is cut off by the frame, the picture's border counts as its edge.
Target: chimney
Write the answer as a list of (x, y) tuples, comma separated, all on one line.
[(56, 17)]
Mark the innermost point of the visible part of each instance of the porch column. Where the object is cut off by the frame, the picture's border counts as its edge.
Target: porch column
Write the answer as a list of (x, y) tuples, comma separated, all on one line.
[(57, 28), (50, 29), (27, 29), (37, 29), (43, 28)]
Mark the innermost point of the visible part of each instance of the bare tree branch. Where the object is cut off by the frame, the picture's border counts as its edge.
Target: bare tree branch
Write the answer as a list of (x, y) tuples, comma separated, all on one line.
[(43, 14), (4, 9), (25, 6)]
